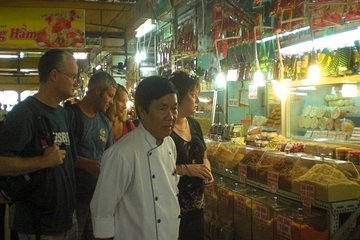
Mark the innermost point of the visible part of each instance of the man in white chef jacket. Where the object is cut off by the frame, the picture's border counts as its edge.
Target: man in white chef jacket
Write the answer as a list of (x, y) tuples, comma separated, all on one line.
[(136, 193)]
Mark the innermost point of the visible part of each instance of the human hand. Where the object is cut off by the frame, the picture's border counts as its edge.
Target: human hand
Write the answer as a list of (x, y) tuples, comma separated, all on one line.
[(199, 170), (53, 156), (91, 166)]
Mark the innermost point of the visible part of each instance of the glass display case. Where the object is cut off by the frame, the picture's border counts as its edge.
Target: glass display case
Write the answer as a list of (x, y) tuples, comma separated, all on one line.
[(326, 111)]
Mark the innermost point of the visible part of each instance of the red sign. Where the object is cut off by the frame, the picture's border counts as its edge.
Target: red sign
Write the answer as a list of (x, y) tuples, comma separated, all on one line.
[(242, 173), (283, 227), (240, 205), (273, 181), (307, 194), (261, 216)]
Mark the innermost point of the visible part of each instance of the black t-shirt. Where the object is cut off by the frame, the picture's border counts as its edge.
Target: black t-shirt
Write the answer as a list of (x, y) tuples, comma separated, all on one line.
[(50, 206), (191, 189)]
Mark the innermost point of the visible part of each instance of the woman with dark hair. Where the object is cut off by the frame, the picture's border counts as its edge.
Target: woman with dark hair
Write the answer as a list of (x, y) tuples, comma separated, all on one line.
[(191, 163), (117, 113)]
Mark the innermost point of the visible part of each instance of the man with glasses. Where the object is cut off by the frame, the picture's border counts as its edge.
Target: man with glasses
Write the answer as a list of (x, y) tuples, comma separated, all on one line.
[(92, 131), (47, 210)]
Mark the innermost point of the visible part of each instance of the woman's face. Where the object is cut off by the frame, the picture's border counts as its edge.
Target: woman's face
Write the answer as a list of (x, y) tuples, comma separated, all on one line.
[(190, 102), (121, 101)]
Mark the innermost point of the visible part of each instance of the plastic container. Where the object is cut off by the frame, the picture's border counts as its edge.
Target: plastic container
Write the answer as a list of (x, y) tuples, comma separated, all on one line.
[(243, 212), (301, 224), (263, 215)]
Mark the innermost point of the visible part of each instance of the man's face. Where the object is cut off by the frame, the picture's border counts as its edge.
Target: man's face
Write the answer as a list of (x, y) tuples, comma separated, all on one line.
[(106, 98), (161, 117), (66, 78)]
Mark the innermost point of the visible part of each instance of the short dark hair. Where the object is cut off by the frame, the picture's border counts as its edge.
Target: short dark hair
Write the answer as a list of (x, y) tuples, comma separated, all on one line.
[(184, 83), (52, 59), (101, 79), (150, 89)]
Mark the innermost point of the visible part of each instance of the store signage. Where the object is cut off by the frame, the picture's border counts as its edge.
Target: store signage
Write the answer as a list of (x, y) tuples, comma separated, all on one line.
[(252, 91), (308, 133), (240, 205), (41, 27), (283, 228), (261, 216), (233, 102), (273, 181), (341, 136), (242, 169), (307, 194)]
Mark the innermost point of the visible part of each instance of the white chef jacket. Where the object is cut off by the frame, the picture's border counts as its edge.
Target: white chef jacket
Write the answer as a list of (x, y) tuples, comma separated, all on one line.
[(136, 193)]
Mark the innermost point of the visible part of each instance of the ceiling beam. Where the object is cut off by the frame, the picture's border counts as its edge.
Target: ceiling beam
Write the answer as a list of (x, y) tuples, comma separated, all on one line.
[(73, 5)]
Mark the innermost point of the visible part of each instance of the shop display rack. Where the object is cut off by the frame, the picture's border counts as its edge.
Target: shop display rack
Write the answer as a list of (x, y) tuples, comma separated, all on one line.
[(334, 209)]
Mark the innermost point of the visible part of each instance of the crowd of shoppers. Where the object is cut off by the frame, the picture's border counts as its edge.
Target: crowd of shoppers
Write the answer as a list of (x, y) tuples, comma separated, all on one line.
[(147, 185)]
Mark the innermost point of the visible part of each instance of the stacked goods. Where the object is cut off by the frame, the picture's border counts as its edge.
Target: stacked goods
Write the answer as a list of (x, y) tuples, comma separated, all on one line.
[(331, 184), (287, 169), (224, 155), (266, 163), (211, 148), (355, 136), (250, 160), (274, 118)]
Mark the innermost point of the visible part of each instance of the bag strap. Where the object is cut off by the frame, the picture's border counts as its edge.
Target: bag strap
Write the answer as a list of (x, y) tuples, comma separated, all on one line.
[(43, 123)]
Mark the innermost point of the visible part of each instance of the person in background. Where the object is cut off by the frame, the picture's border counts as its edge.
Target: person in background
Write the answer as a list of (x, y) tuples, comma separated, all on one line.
[(117, 113), (192, 163), (48, 210), (2, 116), (92, 133), (136, 194)]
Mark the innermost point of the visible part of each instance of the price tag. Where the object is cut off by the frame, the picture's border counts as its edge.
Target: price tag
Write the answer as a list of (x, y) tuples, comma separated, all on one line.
[(273, 181), (341, 136), (221, 164), (323, 134), (307, 194), (240, 205), (283, 227), (242, 173), (261, 216), (331, 135)]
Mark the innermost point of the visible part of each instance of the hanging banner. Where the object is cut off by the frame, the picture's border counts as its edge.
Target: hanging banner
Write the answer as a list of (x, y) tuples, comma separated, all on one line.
[(41, 28)]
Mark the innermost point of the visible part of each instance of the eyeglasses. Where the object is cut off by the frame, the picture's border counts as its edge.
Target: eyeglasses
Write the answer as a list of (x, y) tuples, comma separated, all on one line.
[(73, 77)]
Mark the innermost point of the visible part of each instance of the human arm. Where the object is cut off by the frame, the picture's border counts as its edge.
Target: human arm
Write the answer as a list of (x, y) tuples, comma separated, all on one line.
[(12, 166), (89, 165), (114, 179)]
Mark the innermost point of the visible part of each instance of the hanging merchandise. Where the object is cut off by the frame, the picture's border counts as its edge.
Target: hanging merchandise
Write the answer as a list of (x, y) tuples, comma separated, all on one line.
[(327, 13), (187, 37)]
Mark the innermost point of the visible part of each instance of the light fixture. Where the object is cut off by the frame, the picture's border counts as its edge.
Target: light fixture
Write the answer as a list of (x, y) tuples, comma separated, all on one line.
[(279, 89), (314, 73), (6, 56), (144, 28), (331, 42), (80, 55), (349, 90), (220, 80), (98, 67), (232, 75), (258, 78)]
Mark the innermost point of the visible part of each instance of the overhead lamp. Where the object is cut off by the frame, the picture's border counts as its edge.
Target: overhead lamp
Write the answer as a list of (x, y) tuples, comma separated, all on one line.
[(144, 28), (232, 75), (349, 90), (331, 42), (258, 78), (80, 55), (220, 80), (6, 56)]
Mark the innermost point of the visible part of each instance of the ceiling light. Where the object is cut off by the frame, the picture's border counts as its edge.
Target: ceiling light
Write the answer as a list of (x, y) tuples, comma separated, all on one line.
[(80, 55), (144, 28), (6, 56)]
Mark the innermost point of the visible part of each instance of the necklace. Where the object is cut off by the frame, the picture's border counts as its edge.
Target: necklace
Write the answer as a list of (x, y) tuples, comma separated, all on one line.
[(182, 129)]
